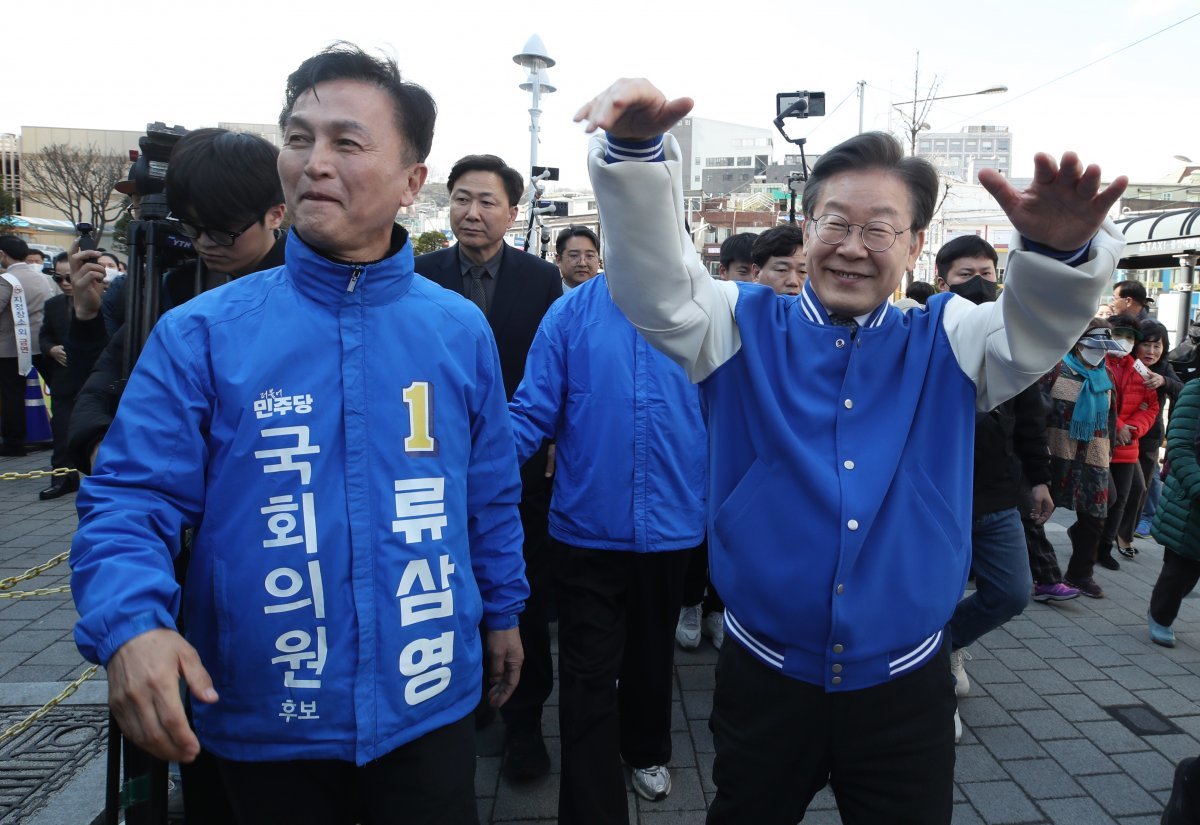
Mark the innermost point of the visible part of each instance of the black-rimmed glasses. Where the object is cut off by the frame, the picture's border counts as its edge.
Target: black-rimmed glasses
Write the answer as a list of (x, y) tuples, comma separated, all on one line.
[(221, 237)]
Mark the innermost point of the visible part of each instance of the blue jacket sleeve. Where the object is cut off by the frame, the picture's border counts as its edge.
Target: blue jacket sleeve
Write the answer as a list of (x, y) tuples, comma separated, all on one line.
[(493, 492), (148, 484), (539, 400)]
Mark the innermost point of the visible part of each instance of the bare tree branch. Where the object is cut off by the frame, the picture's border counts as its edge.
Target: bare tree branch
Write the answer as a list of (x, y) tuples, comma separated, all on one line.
[(77, 182)]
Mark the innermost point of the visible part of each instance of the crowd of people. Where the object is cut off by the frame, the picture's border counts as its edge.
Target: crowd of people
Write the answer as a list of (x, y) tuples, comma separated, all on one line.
[(342, 500)]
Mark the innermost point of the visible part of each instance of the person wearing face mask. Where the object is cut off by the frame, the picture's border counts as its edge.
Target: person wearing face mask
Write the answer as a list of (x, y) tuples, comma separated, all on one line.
[(1137, 409), (1009, 440), (1081, 428)]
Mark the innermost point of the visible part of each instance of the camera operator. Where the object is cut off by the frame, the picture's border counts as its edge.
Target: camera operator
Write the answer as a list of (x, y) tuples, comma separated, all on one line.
[(224, 193)]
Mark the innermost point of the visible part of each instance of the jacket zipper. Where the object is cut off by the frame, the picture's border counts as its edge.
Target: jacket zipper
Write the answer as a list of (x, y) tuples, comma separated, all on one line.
[(354, 275)]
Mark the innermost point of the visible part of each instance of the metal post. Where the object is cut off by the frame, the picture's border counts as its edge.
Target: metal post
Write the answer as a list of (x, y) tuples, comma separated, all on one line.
[(1188, 263), (862, 94), (534, 114)]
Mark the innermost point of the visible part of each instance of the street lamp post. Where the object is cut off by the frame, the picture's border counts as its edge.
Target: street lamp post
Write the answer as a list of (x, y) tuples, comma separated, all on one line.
[(534, 58)]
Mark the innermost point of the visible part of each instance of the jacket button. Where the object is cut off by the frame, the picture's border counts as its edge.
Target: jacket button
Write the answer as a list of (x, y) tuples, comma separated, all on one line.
[(837, 680), (852, 524), (848, 404), (837, 668), (840, 343), (838, 648), (849, 465), (840, 588)]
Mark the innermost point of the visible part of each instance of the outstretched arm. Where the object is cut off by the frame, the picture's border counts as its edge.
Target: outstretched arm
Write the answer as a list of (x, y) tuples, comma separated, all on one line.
[(654, 273)]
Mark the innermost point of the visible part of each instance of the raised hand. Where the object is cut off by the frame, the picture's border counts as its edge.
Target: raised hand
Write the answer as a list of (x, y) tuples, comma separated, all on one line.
[(633, 109), (1063, 207)]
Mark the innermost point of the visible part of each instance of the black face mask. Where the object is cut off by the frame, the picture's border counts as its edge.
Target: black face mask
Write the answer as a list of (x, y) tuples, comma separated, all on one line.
[(977, 290)]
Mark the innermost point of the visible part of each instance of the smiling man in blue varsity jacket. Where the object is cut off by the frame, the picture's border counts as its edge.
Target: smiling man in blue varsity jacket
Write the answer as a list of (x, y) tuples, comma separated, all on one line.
[(840, 448), (335, 430)]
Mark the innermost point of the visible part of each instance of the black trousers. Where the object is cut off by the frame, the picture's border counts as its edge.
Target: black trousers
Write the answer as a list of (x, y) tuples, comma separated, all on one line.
[(430, 781), (1043, 564), (1177, 578), (1123, 476), (12, 403), (616, 641), (697, 586), (1147, 466), (1085, 535), (887, 751)]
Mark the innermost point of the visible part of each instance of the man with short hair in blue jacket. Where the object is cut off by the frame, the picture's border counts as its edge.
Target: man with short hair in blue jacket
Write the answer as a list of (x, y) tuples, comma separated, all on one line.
[(627, 511), (838, 425), (335, 430)]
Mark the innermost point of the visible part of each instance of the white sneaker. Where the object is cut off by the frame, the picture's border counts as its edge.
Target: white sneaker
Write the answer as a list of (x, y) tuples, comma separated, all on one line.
[(957, 727), (687, 631), (653, 783), (962, 685), (714, 628)]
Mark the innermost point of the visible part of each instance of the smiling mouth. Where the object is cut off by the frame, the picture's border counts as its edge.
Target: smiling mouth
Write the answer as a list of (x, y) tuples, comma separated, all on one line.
[(848, 276)]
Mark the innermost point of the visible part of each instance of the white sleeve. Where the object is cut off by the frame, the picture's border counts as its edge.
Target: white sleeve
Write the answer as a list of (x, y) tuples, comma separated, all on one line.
[(1045, 306), (654, 273)]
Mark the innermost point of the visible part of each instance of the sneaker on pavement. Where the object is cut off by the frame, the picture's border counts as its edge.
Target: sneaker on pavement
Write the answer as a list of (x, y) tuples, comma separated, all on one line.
[(714, 628), (1128, 552), (1087, 587), (687, 630), (653, 783), (1160, 634), (1057, 592), (962, 685), (1142, 531), (957, 727)]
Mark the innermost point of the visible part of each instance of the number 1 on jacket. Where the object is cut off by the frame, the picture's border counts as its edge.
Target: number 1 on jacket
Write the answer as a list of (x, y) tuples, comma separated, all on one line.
[(419, 397)]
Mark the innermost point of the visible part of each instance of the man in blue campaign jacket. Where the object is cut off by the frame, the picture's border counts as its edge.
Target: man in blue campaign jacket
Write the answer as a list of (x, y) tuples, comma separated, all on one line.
[(336, 432), (841, 440), (626, 514)]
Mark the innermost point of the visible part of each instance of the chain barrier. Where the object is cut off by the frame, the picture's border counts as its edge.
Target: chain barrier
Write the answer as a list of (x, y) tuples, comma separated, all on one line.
[(41, 591), (12, 581), (59, 473), (20, 727)]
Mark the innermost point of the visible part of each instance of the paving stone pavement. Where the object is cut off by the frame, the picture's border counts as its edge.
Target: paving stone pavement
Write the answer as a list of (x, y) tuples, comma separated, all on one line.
[(1041, 743)]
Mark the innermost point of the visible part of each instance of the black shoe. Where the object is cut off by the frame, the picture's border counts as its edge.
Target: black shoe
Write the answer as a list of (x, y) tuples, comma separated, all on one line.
[(1176, 814), (61, 486), (526, 758), (1107, 561), (484, 714), (13, 450), (1128, 552)]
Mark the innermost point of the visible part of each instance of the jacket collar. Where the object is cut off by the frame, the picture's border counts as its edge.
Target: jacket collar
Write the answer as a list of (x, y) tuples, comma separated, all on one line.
[(812, 309), (336, 283)]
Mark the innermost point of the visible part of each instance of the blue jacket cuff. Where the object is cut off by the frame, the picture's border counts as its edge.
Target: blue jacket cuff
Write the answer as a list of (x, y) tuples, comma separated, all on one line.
[(1073, 257), (644, 150), (507, 622)]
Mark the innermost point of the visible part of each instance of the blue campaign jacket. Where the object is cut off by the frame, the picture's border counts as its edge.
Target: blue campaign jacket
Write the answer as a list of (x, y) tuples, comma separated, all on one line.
[(337, 434), (630, 455), (840, 573)]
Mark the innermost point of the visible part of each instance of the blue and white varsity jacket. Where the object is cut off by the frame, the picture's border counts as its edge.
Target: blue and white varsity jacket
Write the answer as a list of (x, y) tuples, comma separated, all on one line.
[(630, 467), (338, 436), (840, 467)]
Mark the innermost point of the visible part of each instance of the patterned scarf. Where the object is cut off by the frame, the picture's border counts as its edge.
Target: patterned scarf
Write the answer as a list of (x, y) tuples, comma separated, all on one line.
[(1091, 407)]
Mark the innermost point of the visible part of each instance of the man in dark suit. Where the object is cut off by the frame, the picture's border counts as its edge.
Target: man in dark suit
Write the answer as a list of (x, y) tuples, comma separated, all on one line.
[(514, 290), (64, 384)]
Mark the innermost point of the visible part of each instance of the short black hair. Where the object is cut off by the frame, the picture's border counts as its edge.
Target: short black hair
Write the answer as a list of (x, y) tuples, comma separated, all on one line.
[(415, 110), (738, 249), (1126, 321), (61, 257), (1134, 290), (777, 242), (575, 231), (964, 246), (221, 179), (1154, 331), (877, 150), (14, 247), (104, 253), (37, 252), (514, 184), (920, 291)]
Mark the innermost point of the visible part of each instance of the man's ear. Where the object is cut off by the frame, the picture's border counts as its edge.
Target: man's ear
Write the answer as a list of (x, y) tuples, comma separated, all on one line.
[(754, 270)]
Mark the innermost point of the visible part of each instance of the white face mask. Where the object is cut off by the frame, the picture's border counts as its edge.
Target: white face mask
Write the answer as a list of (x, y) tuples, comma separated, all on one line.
[(1125, 344), (1091, 357)]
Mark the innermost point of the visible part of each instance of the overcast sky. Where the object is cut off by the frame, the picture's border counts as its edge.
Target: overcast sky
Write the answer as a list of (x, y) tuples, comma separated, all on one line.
[(85, 66)]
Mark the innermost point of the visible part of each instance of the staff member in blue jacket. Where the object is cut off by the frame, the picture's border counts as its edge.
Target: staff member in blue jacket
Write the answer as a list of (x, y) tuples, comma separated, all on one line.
[(335, 430), (627, 510), (837, 423)]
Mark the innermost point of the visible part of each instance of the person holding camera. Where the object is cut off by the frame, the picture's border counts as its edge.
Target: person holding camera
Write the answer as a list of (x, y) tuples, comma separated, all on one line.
[(335, 430), (224, 193), (24, 291)]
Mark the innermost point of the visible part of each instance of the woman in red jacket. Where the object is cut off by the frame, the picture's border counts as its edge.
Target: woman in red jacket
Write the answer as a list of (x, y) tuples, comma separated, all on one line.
[(1137, 409)]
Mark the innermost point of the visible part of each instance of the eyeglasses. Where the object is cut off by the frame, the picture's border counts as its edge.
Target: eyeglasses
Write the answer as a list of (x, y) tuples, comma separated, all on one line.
[(877, 236), (221, 237), (574, 256)]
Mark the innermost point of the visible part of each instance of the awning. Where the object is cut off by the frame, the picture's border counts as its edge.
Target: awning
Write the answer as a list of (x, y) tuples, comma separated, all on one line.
[(1153, 240)]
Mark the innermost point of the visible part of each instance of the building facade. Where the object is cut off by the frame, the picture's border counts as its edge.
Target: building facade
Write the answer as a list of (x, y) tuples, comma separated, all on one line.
[(962, 154)]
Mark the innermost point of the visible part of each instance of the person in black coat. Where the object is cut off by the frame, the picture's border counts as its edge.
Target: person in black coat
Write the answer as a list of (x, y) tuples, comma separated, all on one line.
[(64, 384), (513, 289)]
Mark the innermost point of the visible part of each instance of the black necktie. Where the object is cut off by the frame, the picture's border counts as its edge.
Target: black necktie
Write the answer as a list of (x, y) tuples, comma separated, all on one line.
[(843, 321), (478, 294)]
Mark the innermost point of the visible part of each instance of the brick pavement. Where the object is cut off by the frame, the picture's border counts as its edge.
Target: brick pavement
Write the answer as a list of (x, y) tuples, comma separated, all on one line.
[(1040, 746)]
